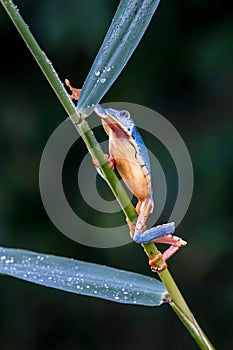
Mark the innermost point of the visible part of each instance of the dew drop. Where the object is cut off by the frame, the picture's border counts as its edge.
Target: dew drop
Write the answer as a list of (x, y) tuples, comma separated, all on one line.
[(40, 257)]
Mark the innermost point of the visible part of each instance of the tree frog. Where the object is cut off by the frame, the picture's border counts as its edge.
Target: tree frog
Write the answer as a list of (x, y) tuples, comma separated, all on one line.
[(128, 152)]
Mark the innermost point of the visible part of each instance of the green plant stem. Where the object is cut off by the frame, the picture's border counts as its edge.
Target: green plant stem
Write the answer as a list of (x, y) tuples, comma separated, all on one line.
[(177, 301), (182, 310)]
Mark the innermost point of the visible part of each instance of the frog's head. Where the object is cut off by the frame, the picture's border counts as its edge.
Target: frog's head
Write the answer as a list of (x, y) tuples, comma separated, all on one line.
[(116, 119)]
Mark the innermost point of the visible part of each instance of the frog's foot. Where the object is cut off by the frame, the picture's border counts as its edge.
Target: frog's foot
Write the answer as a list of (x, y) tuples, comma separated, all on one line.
[(107, 159), (75, 92), (155, 266), (110, 160)]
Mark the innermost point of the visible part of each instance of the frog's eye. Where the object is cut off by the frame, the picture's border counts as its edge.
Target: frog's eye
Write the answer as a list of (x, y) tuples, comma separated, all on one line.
[(124, 114)]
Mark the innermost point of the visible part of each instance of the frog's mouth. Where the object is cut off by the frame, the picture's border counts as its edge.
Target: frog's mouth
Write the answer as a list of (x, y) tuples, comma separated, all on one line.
[(117, 128)]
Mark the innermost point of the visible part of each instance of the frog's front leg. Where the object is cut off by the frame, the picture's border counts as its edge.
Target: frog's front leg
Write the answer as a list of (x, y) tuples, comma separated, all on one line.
[(75, 92), (159, 234), (75, 96), (107, 159)]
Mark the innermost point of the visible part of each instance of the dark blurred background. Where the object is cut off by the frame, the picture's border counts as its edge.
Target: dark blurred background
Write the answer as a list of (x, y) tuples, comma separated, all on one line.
[(183, 69)]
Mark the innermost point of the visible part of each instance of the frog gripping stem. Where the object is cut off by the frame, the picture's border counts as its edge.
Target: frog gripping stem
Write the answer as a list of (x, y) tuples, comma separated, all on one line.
[(117, 123), (75, 92), (160, 234)]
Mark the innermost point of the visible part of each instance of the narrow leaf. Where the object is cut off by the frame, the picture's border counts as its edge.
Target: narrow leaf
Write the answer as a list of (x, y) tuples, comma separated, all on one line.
[(81, 277), (127, 28)]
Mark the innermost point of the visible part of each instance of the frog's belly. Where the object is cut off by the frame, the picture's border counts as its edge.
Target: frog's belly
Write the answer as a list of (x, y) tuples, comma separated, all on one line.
[(131, 168)]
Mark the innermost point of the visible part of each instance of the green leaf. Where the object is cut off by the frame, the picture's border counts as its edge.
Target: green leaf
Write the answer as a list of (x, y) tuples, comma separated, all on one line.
[(81, 277), (127, 28)]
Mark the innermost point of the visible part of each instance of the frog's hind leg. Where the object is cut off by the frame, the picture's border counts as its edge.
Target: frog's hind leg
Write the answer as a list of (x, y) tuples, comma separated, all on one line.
[(143, 209), (160, 234), (175, 242)]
